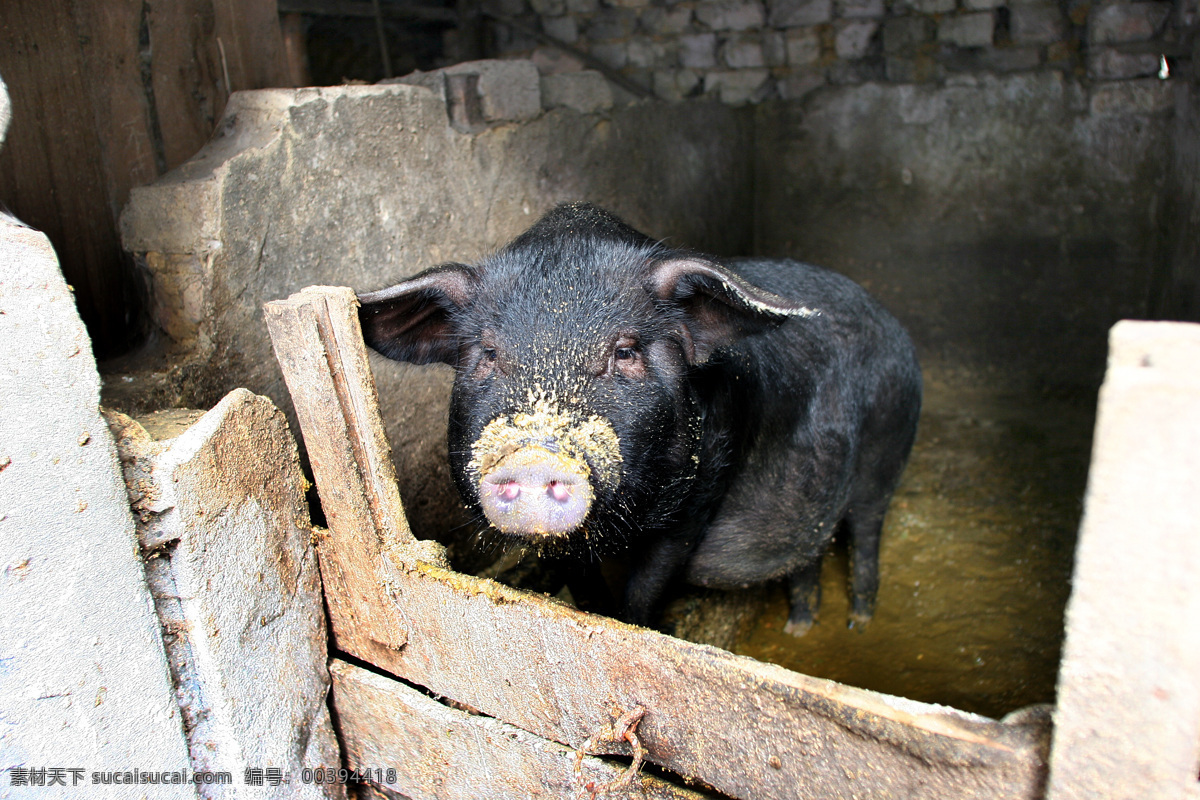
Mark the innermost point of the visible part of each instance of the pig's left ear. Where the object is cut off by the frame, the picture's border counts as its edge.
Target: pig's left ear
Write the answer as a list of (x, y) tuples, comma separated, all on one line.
[(720, 306), (411, 321)]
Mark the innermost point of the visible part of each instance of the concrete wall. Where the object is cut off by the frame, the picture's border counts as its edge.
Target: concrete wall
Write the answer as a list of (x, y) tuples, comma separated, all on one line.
[(225, 533), (1127, 725), (364, 185), (219, 565), (1007, 220)]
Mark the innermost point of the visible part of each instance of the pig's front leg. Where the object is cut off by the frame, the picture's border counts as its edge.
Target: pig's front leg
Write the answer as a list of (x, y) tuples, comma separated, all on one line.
[(650, 573), (588, 588)]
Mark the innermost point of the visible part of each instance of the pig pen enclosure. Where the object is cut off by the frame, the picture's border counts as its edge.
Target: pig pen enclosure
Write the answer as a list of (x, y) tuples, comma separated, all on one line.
[(1007, 220)]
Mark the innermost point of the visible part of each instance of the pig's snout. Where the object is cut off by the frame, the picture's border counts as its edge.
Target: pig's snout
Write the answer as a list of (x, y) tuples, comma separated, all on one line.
[(537, 472), (534, 492)]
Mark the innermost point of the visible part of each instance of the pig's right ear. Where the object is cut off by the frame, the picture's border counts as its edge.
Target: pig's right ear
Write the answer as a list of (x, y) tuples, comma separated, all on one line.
[(411, 321), (719, 306)]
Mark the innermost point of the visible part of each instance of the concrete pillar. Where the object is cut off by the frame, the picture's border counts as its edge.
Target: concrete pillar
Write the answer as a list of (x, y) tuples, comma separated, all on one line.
[(84, 684), (1127, 724)]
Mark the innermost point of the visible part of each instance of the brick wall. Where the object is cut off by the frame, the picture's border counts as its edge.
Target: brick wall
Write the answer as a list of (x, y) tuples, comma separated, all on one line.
[(751, 50)]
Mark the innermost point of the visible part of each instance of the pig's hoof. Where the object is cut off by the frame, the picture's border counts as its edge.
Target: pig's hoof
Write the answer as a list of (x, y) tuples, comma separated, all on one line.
[(798, 628), (858, 620)]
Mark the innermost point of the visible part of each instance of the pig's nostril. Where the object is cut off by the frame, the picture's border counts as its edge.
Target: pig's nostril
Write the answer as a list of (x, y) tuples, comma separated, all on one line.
[(559, 491), (510, 490)]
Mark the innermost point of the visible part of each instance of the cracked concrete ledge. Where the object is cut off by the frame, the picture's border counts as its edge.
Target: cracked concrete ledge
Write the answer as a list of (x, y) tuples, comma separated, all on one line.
[(225, 530), (1127, 721), (85, 679), (219, 663)]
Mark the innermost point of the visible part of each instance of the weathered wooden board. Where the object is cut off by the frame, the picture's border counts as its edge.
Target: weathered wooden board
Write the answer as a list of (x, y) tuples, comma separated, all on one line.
[(442, 753), (358, 8), (107, 96), (55, 171), (204, 50), (751, 730), (330, 383)]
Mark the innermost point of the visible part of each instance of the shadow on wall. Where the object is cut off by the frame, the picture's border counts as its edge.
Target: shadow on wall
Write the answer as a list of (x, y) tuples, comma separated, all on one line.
[(1008, 221)]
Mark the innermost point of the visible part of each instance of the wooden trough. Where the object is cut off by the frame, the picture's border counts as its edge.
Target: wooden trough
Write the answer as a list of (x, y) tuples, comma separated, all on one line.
[(471, 689)]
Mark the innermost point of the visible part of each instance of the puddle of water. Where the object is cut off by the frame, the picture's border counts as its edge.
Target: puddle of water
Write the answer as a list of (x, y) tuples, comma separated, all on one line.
[(975, 564)]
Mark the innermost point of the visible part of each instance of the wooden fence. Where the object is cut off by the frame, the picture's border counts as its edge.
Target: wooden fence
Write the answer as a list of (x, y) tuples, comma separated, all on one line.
[(475, 689)]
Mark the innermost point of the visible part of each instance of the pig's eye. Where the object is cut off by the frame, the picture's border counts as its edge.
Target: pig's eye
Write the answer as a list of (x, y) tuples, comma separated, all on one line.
[(488, 360), (627, 358)]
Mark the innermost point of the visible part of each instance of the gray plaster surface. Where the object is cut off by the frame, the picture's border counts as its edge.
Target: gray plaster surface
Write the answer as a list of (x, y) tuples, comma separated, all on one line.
[(586, 91), (84, 682), (1006, 220)]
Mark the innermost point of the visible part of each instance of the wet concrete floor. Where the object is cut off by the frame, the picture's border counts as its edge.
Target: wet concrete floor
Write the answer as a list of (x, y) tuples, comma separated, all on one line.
[(975, 562)]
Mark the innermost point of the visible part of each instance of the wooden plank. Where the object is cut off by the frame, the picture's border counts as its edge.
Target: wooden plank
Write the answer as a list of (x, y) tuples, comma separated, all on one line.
[(56, 172), (317, 332), (295, 49), (121, 118), (364, 8), (749, 729), (331, 386), (201, 51), (184, 79), (107, 96), (442, 753)]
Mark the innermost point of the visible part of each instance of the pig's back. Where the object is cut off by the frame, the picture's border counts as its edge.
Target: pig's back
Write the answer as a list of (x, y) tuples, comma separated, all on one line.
[(832, 402), (851, 333)]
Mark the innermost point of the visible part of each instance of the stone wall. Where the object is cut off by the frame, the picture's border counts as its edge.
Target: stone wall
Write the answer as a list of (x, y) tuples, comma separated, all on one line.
[(1008, 220), (751, 50)]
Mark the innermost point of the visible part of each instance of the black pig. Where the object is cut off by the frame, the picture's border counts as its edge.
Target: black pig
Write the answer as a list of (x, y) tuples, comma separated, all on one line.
[(612, 392)]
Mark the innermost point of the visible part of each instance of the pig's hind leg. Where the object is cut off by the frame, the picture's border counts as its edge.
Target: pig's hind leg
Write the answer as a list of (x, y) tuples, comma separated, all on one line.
[(862, 528), (889, 438), (864, 525)]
